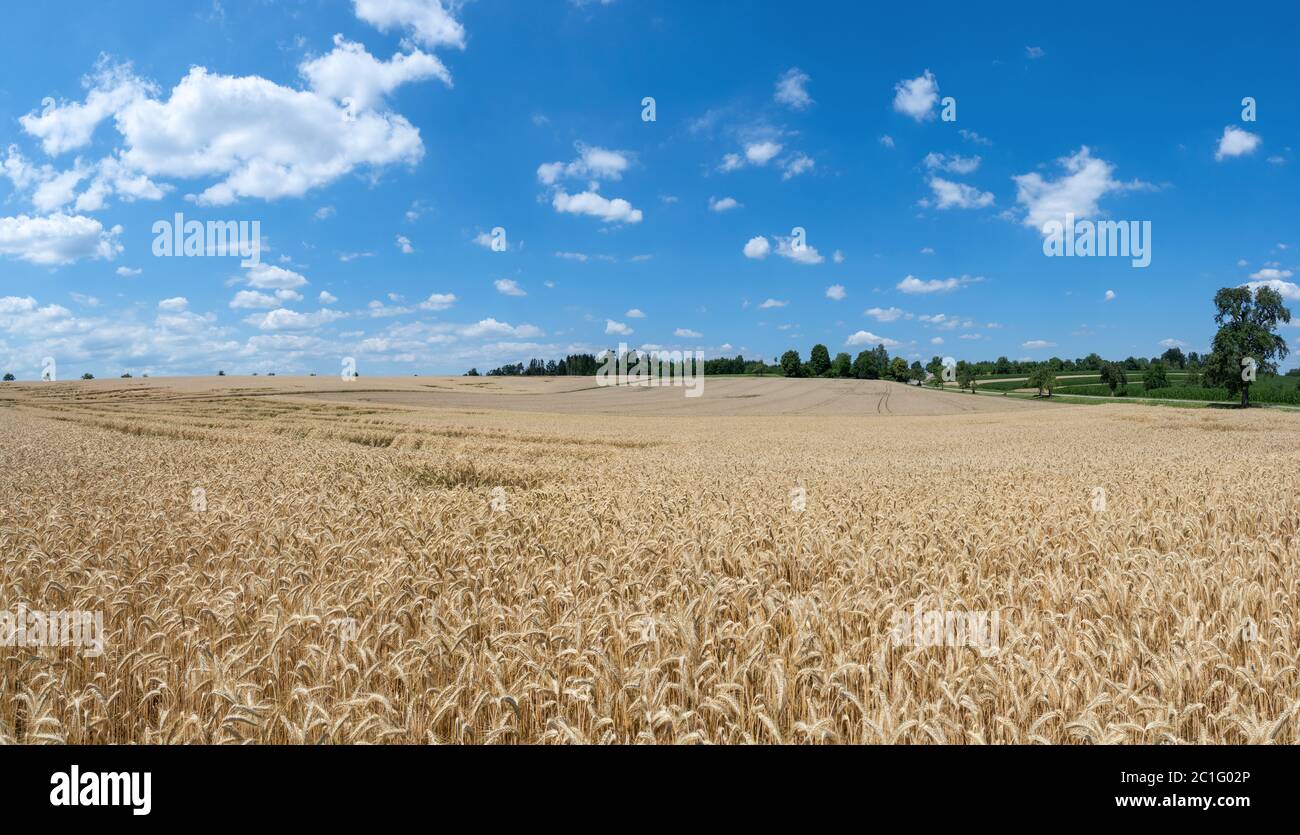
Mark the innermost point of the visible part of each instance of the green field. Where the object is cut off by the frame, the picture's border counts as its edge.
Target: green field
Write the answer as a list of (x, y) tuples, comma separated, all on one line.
[(1265, 390), (1072, 381)]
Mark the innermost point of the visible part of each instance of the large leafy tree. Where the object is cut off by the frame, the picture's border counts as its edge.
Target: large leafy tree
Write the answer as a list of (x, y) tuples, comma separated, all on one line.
[(880, 360), (965, 376), (1113, 375), (1174, 357), (898, 369), (1156, 378), (842, 365), (1247, 331), (791, 365), (1043, 378), (862, 365), (819, 361)]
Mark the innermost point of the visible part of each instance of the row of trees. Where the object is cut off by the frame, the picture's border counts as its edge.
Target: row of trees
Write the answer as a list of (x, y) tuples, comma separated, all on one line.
[(1247, 321), (574, 365), (874, 364)]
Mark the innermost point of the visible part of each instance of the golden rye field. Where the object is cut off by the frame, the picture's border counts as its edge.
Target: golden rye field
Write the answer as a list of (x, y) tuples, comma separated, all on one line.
[(646, 579)]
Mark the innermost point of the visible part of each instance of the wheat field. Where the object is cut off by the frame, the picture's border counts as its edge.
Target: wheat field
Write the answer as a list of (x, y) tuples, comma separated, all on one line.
[(322, 568)]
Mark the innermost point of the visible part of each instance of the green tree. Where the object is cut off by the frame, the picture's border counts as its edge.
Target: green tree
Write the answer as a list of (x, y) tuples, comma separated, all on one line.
[(9, 378), (791, 364), (862, 364), (916, 373), (842, 365), (879, 363), (1246, 334), (1113, 375), (1043, 378), (819, 361), (1174, 358), (1002, 366), (898, 369), (87, 376), (965, 376), (1156, 378)]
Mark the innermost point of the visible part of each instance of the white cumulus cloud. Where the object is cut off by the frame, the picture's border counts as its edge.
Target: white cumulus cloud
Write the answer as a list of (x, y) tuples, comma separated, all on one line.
[(916, 97), (1236, 142)]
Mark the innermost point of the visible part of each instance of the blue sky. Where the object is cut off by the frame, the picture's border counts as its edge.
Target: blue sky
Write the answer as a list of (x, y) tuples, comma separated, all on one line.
[(379, 143)]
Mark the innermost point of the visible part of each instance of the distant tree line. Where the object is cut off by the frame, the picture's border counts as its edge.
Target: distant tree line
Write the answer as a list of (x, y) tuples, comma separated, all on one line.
[(574, 365), (1246, 339)]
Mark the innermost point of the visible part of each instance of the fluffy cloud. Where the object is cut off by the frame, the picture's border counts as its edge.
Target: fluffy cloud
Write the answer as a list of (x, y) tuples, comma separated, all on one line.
[(174, 304), (792, 89), (761, 153), (916, 97), (950, 195), (404, 244), (726, 204), (1236, 142), (634, 313), (836, 292), (1086, 180), (1110, 295), (758, 248), (913, 285), (352, 76), (175, 340), (57, 239), (491, 327), (428, 22), (69, 125), (52, 190), (886, 314), (945, 322), (1270, 274), (283, 319), (771, 303), (802, 254), (263, 140), (955, 164), (757, 153), (591, 203), (591, 162), (1034, 344), (796, 165), (271, 277), (869, 338), (618, 328), (686, 333), (1286, 289), (253, 300), (255, 137), (438, 301), (509, 287)]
